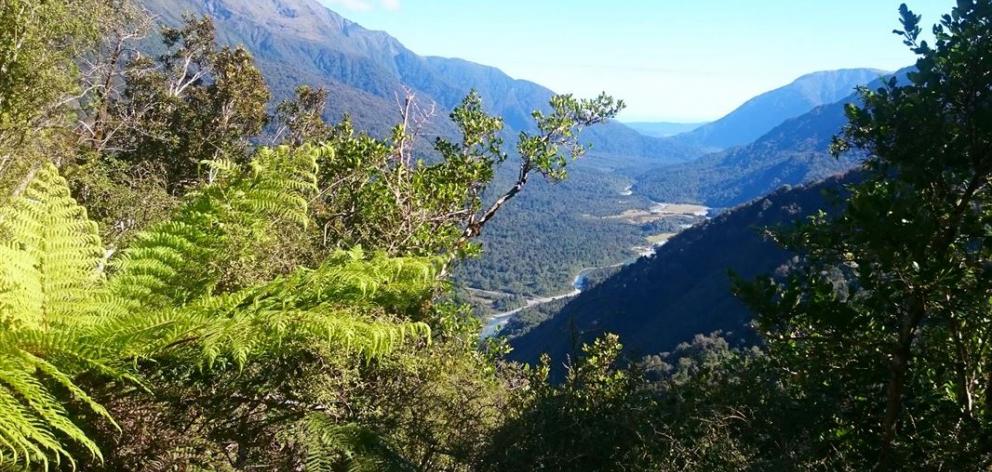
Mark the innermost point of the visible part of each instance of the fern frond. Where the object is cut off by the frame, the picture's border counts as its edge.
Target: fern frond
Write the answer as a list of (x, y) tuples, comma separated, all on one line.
[(51, 264), (34, 423), (176, 261), (343, 305), (51, 253), (394, 283), (330, 445)]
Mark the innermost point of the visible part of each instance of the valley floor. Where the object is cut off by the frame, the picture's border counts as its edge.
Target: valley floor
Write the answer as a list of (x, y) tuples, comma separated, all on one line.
[(658, 222)]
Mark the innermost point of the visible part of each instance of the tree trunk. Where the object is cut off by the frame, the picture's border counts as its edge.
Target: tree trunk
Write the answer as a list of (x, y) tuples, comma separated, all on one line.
[(903, 352), (961, 369), (988, 391), (899, 367)]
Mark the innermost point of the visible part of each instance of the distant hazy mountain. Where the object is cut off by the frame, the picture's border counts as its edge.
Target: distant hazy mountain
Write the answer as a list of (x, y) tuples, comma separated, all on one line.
[(794, 152), (662, 129), (761, 114), (301, 41), (684, 289)]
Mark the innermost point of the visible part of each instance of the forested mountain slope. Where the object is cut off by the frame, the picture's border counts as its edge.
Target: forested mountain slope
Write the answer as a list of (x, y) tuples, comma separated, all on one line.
[(685, 288), (793, 153), (766, 111), (302, 42)]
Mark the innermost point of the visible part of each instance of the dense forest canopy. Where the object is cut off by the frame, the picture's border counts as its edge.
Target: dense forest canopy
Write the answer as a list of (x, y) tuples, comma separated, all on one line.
[(195, 278)]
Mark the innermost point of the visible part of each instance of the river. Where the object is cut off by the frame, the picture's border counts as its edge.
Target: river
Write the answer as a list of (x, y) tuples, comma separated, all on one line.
[(496, 322)]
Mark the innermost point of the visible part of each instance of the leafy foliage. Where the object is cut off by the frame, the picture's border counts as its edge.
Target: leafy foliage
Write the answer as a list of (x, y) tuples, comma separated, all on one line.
[(678, 411), (557, 430), (286, 314), (63, 316), (194, 104), (218, 223), (52, 259), (363, 450), (887, 316), (41, 41)]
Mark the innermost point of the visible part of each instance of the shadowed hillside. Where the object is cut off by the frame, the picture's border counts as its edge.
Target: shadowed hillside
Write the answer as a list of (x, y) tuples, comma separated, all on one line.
[(684, 289)]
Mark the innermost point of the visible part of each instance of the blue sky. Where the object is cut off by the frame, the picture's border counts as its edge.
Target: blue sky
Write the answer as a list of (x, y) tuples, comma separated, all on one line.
[(676, 60)]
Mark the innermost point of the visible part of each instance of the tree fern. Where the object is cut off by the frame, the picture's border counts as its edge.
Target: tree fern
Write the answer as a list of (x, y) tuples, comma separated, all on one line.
[(62, 315), (51, 253), (50, 257), (346, 303), (175, 261), (331, 444)]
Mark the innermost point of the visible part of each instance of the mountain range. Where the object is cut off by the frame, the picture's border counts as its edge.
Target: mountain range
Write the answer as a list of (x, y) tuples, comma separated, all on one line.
[(764, 112), (662, 129), (684, 289), (302, 42), (794, 152)]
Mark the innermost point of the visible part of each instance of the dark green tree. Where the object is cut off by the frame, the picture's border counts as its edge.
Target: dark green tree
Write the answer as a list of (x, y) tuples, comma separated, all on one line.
[(195, 103), (597, 419), (148, 125), (885, 322), (685, 410)]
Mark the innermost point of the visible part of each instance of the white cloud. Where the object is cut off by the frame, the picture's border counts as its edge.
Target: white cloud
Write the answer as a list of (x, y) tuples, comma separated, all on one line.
[(364, 5)]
